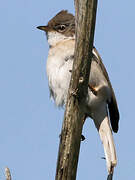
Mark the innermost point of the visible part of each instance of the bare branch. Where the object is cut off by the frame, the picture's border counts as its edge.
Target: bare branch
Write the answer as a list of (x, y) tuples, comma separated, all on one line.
[(73, 119)]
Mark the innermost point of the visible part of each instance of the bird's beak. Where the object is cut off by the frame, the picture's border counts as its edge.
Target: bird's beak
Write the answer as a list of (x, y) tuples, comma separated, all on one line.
[(44, 28)]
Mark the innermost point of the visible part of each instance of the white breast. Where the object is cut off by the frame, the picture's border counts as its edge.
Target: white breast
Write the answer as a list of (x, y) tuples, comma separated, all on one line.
[(58, 70)]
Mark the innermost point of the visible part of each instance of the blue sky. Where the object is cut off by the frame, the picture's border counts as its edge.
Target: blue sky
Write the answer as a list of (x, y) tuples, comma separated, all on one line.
[(30, 123)]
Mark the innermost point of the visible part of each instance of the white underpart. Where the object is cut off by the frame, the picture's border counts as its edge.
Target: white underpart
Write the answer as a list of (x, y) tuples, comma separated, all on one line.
[(58, 72), (58, 69)]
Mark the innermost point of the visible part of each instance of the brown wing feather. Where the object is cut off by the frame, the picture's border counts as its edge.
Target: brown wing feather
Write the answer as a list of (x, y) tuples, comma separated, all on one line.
[(112, 103)]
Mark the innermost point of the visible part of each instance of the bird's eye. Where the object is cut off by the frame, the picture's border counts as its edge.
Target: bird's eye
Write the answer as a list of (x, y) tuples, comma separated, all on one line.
[(61, 28)]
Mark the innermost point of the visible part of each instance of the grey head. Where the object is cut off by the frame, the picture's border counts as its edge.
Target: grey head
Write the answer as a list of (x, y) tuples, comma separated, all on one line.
[(63, 23)]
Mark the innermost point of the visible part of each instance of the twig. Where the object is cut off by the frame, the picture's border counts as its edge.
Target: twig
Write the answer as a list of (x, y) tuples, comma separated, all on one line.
[(110, 177), (7, 173)]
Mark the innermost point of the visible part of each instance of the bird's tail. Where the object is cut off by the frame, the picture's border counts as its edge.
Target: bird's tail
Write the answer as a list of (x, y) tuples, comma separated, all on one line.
[(108, 144)]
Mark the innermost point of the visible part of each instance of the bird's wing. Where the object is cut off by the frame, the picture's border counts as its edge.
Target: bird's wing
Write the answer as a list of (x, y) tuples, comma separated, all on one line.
[(112, 103)]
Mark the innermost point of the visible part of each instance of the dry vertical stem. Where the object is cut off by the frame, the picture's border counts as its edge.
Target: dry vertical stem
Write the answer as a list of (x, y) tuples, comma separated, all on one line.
[(7, 173), (73, 119)]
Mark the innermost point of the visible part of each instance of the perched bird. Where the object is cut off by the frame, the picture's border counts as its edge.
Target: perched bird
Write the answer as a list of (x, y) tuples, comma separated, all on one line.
[(100, 103)]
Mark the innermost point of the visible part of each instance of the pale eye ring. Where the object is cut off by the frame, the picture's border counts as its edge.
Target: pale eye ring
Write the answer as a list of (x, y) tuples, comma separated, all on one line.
[(61, 28)]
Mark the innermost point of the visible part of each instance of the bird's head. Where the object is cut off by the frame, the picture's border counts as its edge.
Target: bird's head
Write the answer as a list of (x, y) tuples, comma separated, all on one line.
[(59, 28)]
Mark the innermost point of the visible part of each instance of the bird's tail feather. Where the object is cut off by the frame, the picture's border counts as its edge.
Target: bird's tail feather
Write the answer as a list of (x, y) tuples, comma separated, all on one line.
[(108, 144)]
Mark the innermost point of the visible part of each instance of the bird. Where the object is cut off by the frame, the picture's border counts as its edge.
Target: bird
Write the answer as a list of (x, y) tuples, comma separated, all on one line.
[(100, 103)]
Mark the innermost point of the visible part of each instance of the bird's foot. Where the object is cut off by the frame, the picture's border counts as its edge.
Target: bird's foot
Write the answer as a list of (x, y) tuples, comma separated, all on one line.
[(74, 92)]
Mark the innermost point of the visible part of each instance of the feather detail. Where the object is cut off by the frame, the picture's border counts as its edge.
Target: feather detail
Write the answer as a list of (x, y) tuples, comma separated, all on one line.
[(108, 144), (112, 103)]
